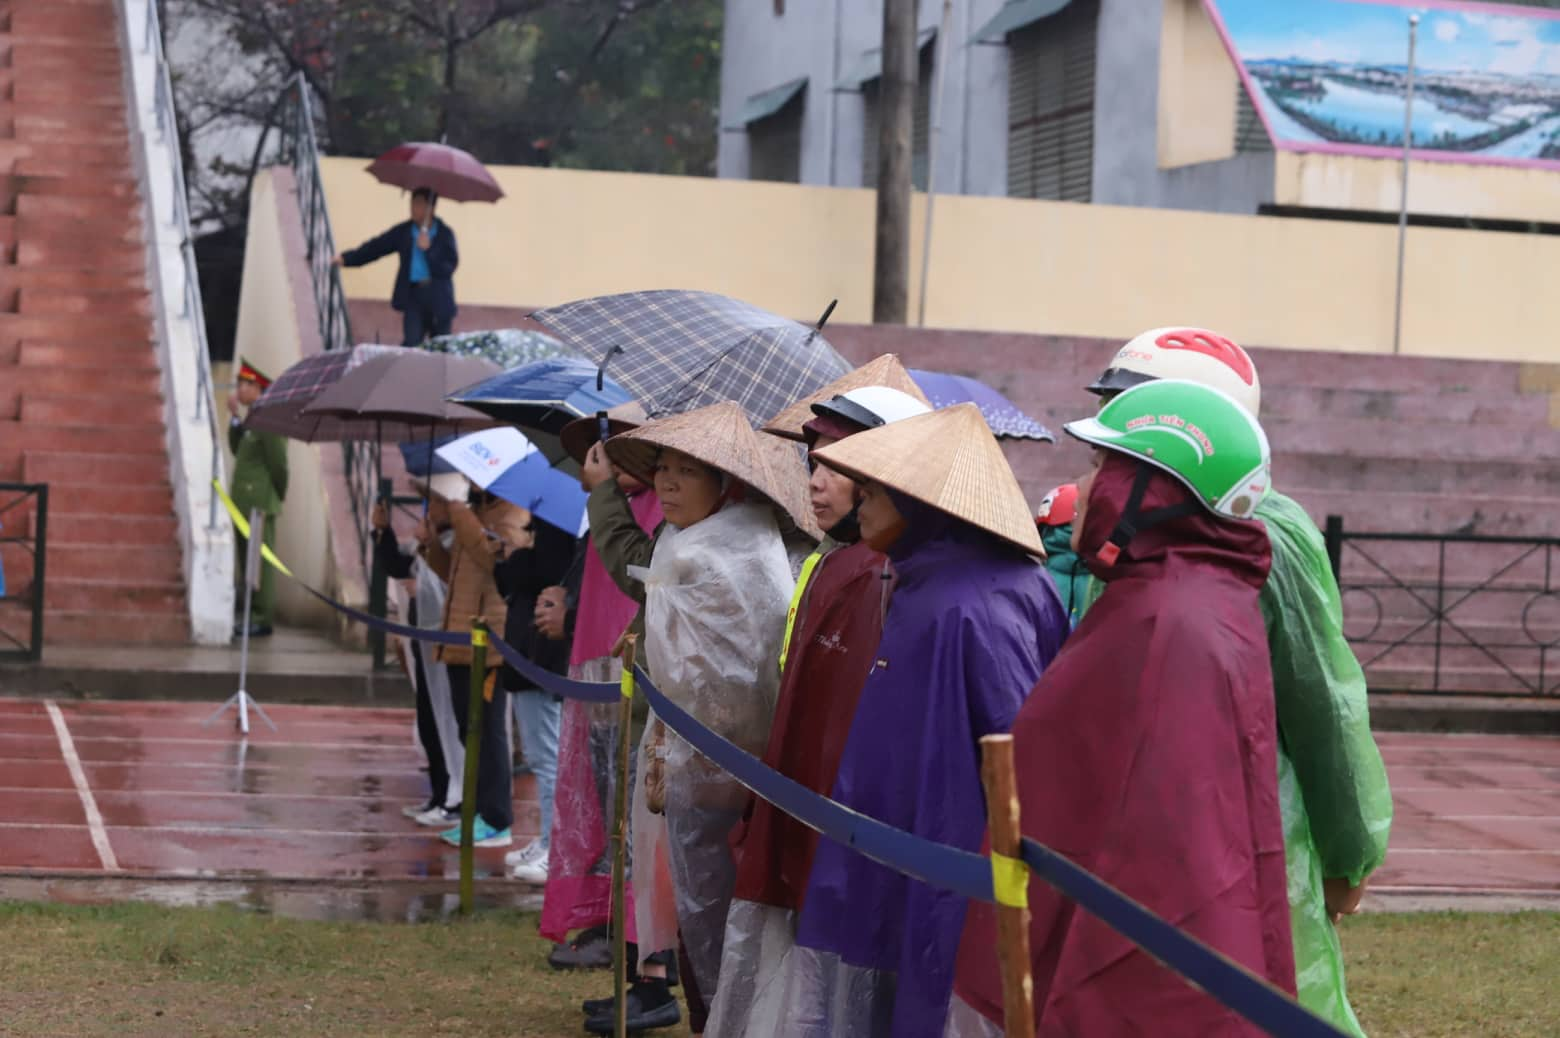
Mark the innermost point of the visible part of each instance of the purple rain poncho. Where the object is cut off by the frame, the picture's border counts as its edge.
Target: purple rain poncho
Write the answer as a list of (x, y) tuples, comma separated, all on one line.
[(971, 625)]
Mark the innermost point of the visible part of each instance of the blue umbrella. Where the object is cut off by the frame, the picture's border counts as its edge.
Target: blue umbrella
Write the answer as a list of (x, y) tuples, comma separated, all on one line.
[(544, 396), (1004, 417), (504, 463), (421, 459)]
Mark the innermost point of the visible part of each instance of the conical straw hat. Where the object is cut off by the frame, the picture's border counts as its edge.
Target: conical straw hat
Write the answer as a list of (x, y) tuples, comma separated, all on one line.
[(719, 436), (949, 460), (880, 371)]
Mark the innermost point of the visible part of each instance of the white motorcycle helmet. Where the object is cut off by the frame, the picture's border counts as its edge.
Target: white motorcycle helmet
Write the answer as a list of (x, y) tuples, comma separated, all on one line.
[(871, 406), (1194, 354)]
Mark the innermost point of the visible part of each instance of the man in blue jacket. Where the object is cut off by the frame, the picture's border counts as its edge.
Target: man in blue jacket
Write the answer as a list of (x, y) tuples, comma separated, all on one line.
[(424, 289)]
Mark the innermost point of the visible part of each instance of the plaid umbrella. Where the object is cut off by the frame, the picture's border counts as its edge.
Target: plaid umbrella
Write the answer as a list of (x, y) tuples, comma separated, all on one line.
[(677, 351), (280, 409)]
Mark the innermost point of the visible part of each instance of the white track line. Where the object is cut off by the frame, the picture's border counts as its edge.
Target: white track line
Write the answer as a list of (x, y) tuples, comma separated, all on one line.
[(78, 776)]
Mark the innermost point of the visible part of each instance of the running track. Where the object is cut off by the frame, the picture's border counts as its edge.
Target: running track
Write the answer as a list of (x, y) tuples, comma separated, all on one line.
[(144, 789)]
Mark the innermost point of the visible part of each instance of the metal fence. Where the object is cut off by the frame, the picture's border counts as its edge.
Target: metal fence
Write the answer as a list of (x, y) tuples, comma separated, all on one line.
[(301, 147), (24, 539), (1450, 613)]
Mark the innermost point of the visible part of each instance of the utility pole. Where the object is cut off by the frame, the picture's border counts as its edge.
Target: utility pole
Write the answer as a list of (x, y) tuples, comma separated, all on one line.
[(896, 121), (1408, 146)]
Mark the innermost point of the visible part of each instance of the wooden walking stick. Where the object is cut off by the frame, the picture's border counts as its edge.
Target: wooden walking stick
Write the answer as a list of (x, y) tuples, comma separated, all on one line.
[(620, 844), (468, 798), (1010, 881)]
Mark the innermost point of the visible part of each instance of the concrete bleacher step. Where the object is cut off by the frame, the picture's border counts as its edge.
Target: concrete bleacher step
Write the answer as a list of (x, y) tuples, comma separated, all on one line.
[(83, 527), (19, 382), (1470, 479), (136, 302), (118, 253), (1391, 512), (19, 279)]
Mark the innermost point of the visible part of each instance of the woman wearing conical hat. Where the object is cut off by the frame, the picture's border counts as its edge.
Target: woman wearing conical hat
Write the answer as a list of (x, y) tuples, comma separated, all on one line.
[(1148, 753), (834, 624), (972, 621), (715, 599)]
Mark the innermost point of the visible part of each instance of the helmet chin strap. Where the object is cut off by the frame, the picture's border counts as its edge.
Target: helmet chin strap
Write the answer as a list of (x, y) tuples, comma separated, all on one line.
[(848, 529), (1133, 521)]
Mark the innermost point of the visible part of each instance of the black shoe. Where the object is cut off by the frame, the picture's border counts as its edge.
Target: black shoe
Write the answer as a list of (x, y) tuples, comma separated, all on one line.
[(582, 955), (650, 1006)]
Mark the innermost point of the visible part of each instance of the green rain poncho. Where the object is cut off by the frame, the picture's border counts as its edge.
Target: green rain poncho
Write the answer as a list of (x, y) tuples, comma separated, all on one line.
[(1067, 570), (1332, 785)]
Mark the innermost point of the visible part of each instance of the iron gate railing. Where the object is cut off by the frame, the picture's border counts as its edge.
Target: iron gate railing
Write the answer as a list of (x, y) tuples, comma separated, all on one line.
[(1450, 613), (23, 507), (301, 147)]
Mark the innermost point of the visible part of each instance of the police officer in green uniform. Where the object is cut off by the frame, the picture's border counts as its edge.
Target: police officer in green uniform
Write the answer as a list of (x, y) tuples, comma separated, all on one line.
[(259, 481)]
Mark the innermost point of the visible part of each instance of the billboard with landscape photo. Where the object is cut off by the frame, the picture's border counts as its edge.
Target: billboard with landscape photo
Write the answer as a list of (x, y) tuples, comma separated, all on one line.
[(1331, 75)]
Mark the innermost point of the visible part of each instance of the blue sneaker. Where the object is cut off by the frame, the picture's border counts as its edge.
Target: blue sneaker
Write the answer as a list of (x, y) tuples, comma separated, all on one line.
[(483, 835)]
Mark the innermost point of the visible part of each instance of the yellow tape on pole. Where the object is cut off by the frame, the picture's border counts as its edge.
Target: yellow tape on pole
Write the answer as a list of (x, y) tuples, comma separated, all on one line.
[(626, 682), (241, 524), (1009, 881)]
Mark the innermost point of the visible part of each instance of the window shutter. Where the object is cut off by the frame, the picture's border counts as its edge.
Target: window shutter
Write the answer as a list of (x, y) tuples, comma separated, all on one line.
[(1051, 107)]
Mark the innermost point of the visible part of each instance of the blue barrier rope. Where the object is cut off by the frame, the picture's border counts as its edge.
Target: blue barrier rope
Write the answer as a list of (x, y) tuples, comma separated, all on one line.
[(1234, 986), (961, 872), (547, 681)]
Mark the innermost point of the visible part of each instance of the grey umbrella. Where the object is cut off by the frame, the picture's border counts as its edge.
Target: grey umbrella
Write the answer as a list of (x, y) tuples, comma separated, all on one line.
[(676, 350), (405, 391)]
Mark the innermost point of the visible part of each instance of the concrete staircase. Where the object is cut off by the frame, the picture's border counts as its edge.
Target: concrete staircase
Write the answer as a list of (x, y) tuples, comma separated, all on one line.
[(81, 403)]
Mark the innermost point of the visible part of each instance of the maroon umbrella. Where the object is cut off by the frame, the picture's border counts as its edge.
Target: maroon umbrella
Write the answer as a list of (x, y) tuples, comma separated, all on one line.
[(452, 173)]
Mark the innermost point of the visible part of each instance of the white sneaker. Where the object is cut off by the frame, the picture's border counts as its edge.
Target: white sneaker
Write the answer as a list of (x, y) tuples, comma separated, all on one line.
[(533, 871), (439, 817), (414, 810), (525, 855)]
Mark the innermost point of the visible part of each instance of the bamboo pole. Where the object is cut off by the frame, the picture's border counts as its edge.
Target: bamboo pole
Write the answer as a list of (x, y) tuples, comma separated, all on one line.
[(620, 844), (468, 798), (1018, 994)]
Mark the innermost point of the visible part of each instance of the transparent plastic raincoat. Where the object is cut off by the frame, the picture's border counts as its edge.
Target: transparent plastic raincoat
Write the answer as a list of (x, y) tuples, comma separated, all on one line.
[(716, 596)]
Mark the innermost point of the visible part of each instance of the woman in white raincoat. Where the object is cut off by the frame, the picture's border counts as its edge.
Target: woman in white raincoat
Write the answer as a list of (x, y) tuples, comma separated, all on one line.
[(716, 594)]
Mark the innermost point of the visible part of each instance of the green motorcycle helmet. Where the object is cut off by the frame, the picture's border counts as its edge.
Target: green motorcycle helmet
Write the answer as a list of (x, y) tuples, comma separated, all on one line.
[(1199, 435)]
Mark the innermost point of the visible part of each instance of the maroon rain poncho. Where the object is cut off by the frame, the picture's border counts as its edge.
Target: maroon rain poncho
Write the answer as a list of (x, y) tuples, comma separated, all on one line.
[(1147, 754)]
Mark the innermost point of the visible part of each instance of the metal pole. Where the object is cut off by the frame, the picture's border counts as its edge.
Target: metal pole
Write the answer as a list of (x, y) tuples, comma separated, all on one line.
[(620, 845), (939, 85), (475, 705), (1408, 145)]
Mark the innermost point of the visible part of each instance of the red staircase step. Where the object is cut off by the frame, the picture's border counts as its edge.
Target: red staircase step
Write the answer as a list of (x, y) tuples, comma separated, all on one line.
[(76, 410), (25, 437), (127, 529), (74, 595), (114, 256), (97, 304), (61, 213), (69, 327), (66, 279), (148, 563), (66, 498), (101, 469), (109, 356), (114, 628)]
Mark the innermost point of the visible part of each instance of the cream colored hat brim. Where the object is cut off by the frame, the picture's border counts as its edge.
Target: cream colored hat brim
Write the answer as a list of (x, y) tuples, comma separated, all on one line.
[(721, 437), (949, 460), (880, 371)]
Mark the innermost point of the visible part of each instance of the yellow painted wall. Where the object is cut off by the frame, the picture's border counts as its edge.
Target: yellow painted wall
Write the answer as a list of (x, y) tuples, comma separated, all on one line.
[(267, 336), (998, 264), (1445, 188), (1196, 88)]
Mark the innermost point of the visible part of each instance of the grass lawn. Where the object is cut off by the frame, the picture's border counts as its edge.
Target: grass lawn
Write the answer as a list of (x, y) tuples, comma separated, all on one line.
[(133, 969)]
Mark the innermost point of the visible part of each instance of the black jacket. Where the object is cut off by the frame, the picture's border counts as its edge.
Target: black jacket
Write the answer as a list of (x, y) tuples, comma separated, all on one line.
[(554, 560), (443, 258)]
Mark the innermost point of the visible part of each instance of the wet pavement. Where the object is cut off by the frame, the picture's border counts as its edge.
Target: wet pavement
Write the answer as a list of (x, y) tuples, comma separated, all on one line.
[(307, 820), (318, 801)]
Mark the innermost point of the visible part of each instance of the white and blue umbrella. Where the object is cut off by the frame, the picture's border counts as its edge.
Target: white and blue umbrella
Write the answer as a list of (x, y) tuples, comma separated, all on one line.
[(506, 464)]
